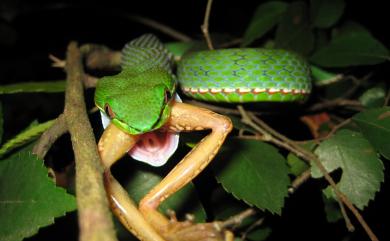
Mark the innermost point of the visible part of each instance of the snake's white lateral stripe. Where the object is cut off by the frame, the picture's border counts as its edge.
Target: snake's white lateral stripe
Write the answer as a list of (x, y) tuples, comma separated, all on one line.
[(244, 90), (228, 90)]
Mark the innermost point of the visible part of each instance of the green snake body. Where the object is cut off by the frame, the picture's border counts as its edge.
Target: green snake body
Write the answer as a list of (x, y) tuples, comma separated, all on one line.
[(226, 75), (244, 75)]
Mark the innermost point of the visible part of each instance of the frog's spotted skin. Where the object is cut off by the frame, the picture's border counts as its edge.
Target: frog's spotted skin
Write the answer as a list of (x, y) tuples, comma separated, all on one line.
[(244, 75)]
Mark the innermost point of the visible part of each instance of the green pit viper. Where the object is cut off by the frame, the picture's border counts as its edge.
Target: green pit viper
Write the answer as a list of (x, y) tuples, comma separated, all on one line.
[(143, 115)]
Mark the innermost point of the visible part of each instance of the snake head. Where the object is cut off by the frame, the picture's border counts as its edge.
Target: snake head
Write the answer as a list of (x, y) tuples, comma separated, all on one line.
[(136, 103)]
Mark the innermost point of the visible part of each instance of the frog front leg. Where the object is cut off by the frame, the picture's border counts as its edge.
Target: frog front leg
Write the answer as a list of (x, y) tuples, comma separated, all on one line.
[(151, 225), (186, 117)]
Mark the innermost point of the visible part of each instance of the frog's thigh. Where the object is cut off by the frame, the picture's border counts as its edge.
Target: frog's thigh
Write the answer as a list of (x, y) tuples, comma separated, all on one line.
[(186, 117)]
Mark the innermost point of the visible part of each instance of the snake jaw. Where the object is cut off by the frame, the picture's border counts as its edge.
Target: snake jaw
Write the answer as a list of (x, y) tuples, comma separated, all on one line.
[(114, 143)]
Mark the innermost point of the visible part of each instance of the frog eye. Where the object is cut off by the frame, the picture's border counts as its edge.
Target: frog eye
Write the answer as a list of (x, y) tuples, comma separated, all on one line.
[(109, 111), (167, 95)]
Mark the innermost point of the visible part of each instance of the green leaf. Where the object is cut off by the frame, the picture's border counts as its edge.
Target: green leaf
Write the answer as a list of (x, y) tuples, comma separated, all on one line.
[(28, 87), (237, 124), (29, 199), (1, 122), (294, 30), (27, 135), (375, 126), (296, 164), (373, 97), (256, 173), (352, 47), (178, 49), (326, 13), (143, 179), (322, 77), (266, 16), (259, 234), (362, 170), (331, 206)]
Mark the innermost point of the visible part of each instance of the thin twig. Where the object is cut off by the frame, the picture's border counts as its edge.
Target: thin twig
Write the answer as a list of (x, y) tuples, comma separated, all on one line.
[(348, 222), (310, 157), (298, 181), (205, 25), (161, 27), (237, 219), (254, 225), (95, 221), (57, 62), (387, 99), (48, 138), (327, 104), (231, 43)]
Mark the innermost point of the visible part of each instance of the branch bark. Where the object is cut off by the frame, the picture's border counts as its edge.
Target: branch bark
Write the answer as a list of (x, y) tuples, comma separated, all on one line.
[(94, 221)]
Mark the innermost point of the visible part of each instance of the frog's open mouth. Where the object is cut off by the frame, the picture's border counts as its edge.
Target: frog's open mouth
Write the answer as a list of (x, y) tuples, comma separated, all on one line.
[(155, 147)]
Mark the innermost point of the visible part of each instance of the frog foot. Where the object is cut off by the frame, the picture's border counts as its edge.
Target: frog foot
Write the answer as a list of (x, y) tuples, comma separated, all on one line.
[(187, 230)]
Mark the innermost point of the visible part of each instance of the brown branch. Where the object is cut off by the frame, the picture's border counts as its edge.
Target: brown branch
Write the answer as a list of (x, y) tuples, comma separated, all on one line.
[(94, 217), (100, 57), (48, 138), (205, 26), (309, 157)]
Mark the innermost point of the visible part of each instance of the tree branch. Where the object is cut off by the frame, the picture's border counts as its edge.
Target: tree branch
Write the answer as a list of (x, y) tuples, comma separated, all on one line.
[(94, 216)]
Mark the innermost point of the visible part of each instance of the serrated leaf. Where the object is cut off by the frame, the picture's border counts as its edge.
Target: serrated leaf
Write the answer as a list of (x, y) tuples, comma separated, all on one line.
[(352, 47), (29, 87), (362, 170), (266, 16), (373, 97), (375, 126), (27, 135), (29, 199), (143, 179), (294, 32), (256, 173), (326, 13)]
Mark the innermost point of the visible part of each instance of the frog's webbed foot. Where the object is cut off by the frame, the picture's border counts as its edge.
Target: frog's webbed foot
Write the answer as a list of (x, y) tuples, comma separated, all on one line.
[(189, 231)]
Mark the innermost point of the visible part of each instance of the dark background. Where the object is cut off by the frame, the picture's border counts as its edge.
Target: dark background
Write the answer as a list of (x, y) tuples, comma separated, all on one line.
[(30, 30)]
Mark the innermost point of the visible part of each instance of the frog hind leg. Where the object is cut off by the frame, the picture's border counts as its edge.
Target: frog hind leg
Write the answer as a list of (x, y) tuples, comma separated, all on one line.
[(186, 117), (113, 144)]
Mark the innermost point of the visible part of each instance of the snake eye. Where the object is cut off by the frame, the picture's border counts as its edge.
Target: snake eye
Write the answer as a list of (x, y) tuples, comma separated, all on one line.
[(109, 111), (167, 95)]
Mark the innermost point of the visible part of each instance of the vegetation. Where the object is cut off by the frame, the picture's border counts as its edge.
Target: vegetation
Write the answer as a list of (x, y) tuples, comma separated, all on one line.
[(331, 150)]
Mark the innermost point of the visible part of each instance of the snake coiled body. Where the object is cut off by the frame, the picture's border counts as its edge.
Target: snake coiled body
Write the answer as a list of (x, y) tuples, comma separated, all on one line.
[(244, 75), (226, 75)]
